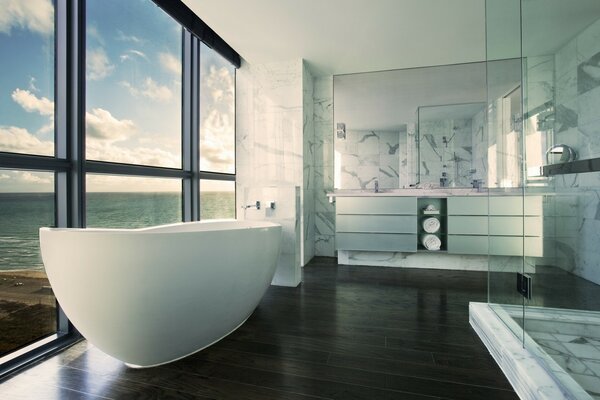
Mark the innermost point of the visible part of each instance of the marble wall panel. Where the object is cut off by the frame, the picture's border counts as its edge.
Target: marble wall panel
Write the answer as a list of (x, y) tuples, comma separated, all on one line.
[(308, 160), (324, 217), (577, 123)]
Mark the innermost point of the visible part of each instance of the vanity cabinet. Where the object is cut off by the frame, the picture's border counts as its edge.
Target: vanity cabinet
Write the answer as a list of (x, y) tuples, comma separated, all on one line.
[(376, 224), (514, 225), (479, 225)]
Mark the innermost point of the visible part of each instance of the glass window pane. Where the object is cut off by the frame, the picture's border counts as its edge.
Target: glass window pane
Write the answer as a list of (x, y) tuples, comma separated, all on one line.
[(217, 112), (133, 78), (27, 78), (27, 305), (132, 202), (217, 199)]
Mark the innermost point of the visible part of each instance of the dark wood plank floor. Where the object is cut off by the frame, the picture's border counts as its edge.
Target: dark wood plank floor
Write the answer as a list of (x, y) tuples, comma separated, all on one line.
[(345, 333)]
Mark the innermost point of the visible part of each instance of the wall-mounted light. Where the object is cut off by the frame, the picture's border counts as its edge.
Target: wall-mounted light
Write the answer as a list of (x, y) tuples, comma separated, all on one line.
[(341, 130)]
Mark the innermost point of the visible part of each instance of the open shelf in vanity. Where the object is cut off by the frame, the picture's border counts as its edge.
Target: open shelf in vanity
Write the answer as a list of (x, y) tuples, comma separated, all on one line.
[(427, 208)]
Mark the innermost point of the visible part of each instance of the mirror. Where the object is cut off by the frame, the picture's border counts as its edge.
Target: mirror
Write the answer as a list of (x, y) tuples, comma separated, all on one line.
[(382, 119)]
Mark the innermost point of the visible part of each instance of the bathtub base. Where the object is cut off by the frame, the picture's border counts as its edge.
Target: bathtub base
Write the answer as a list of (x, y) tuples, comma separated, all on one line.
[(134, 366)]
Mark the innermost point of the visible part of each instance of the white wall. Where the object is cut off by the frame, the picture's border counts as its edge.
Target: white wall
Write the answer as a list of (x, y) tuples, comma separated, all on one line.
[(269, 154)]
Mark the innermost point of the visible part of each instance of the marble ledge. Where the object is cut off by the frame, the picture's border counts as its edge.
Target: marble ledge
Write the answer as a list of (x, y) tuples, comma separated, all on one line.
[(418, 192), (449, 192), (532, 374)]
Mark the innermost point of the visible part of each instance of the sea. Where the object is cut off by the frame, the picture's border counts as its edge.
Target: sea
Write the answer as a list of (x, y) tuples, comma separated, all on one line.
[(22, 214)]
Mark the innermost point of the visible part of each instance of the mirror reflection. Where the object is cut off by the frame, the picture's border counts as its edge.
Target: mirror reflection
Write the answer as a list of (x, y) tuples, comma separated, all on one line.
[(409, 127), (452, 144)]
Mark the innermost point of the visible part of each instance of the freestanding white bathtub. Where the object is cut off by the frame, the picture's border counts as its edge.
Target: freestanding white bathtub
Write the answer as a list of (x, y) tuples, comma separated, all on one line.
[(154, 295)]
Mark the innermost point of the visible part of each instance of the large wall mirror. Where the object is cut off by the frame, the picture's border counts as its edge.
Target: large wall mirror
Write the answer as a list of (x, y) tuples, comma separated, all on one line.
[(409, 127)]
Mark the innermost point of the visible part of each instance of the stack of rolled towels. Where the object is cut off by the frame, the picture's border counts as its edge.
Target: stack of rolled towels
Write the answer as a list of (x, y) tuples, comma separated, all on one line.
[(430, 241)]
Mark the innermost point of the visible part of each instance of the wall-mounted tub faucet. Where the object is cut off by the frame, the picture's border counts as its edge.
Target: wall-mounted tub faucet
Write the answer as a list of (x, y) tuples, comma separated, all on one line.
[(255, 205)]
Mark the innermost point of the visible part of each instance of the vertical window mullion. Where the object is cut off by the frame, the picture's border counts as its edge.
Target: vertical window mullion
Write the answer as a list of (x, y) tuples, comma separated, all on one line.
[(190, 115), (69, 119), (195, 114), (186, 125)]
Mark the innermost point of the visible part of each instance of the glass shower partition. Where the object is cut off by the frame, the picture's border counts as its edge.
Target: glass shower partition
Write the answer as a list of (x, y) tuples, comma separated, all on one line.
[(561, 97), (504, 162)]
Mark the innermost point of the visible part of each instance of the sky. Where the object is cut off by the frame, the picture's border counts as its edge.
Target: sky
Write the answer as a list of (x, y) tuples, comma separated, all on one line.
[(133, 100)]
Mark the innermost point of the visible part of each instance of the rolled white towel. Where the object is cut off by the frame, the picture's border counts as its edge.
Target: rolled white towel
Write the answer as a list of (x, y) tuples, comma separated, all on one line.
[(431, 242), (431, 225), (430, 207)]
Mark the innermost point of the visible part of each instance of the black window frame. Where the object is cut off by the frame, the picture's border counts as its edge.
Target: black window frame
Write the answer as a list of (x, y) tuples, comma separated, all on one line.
[(69, 164)]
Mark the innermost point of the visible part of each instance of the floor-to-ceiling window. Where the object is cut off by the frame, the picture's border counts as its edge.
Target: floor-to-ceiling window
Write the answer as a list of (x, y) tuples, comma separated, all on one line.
[(27, 305), (112, 114), (133, 114), (217, 135)]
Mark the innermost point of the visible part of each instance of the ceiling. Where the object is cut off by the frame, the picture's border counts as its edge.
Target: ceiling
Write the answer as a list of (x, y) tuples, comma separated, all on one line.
[(346, 36)]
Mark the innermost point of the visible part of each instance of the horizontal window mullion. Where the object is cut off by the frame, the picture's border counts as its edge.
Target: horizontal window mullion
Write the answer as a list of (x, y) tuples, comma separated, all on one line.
[(32, 162), (102, 167), (182, 14), (217, 176)]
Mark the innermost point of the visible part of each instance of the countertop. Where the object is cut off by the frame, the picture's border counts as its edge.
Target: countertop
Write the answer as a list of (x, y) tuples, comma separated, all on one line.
[(427, 192)]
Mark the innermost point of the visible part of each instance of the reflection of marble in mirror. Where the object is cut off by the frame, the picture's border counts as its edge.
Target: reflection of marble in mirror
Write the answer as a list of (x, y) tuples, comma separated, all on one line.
[(366, 156), (380, 112), (452, 144)]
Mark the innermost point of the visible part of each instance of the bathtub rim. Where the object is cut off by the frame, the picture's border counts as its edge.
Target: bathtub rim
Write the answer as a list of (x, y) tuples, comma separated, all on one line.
[(219, 224)]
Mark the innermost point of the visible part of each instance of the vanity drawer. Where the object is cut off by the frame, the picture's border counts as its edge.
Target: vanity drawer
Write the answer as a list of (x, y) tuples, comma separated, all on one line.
[(461, 205), (376, 242), (467, 244), (495, 245), (515, 226), (506, 205), (467, 225), (516, 205), (376, 223), (376, 205)]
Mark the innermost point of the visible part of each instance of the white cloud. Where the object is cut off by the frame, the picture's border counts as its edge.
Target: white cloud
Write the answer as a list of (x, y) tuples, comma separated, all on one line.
[(105, 137), (127, 38), (26, 181), (170, 63), (217, 139), (98, 65), (107, 151), (32, 86), (150, 89), (19, 140), (31, 103), (93, 33), (29, 177), (34, 15), (127, 55), (100, 124)]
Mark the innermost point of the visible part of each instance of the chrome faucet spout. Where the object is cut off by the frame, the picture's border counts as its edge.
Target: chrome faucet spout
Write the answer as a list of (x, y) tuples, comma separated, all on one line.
[(256, 205)]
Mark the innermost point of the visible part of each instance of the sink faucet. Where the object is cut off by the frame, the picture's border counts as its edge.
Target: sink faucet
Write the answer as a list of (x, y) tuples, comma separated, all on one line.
[(477, 184), (376, 186), (444, 180)]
